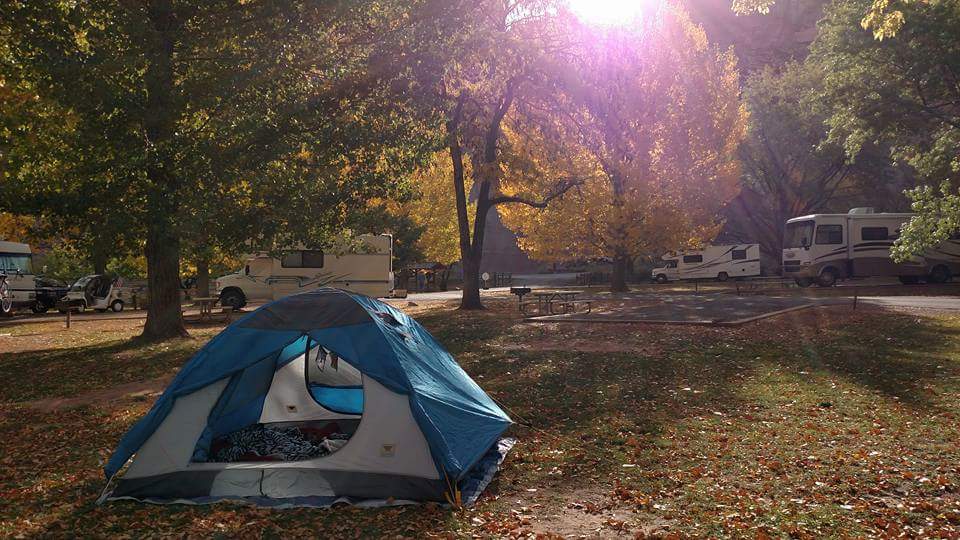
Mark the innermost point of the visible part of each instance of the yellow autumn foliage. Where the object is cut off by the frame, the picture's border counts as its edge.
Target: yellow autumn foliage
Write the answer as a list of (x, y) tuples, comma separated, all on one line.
[(653, 138), (435, 209)]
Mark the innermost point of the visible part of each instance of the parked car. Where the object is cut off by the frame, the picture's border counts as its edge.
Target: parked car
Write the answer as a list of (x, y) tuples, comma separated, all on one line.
[(49, 292)]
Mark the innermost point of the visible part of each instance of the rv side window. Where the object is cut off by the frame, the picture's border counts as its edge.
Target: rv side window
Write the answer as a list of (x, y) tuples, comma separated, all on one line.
[(313, 259), (688, 259), (738, 254), (874, 233), (829, 234), (671, 264), (302, 259)]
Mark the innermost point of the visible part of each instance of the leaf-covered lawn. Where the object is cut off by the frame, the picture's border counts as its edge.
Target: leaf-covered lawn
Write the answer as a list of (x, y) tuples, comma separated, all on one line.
[(818, 423)]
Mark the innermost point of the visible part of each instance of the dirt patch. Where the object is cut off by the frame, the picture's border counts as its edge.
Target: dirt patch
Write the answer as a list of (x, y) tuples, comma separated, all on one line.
[(582, 513), (135, 390)]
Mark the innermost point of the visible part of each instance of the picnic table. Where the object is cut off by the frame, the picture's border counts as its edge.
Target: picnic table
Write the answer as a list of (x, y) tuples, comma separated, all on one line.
[(548, 302), (206, 304)]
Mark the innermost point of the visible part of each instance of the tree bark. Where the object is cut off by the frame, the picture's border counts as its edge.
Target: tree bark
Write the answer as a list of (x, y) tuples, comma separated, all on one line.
[(203, 275), (469, 254), (99, 259), (162, 249), (164, 319), (444, 278), (471, 283), (618, 279)]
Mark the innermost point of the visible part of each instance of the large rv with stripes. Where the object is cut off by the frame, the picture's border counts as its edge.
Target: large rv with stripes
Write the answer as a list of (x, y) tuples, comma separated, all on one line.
[(824, 248), (713, 262)]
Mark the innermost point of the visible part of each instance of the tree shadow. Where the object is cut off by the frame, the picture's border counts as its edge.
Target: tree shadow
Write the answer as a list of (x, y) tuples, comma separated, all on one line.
[(66, 372), (893, 353)]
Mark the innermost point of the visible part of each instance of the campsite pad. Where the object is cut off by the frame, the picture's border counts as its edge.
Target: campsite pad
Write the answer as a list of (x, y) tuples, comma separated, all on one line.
[(706, 309)]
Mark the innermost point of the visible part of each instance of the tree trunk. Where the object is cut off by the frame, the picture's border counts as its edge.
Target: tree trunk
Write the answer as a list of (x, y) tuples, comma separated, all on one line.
[(203, 275), (618, 279), (471, 283), (100, 250), (162, 250), (444, 278), (164, 319), (99, 260)]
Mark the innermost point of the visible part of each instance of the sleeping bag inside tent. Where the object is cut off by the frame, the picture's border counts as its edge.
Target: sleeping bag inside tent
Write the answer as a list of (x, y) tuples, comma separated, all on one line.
[(312, 399)]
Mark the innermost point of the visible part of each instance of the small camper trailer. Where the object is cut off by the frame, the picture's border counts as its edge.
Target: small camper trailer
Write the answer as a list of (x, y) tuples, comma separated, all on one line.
[(825, 248), (712, 262)]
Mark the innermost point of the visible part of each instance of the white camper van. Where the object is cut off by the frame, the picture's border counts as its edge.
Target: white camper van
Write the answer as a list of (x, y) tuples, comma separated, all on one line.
[(18, 286), (713, 262), (263, 277), (823, 248)]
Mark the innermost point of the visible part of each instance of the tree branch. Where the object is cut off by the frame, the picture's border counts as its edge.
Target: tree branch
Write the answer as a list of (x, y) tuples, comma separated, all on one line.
[(561, 188)]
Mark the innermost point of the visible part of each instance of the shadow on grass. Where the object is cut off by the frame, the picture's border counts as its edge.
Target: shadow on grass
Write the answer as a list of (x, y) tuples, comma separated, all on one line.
[(66, 372), (894, 354)]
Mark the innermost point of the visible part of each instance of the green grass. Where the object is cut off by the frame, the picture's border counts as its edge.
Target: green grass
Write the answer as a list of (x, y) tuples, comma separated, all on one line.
[(826, 423)]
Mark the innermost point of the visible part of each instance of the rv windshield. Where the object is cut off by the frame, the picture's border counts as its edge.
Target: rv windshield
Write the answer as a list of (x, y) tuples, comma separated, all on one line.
[(11, 262), (797, 234)]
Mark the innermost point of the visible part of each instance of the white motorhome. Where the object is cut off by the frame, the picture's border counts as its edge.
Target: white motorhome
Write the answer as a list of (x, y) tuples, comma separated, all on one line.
[(713, 262), (824, 248), (18, 286), (367, 271)]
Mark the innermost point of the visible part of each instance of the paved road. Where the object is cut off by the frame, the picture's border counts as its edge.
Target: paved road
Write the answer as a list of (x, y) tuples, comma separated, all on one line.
[(692, 303)]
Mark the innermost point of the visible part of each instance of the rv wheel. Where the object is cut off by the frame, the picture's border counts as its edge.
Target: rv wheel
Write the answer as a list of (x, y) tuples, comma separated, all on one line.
[(722, 276), (661, 278), (233, 298), (827, 278), (117, 306), (940, 274)]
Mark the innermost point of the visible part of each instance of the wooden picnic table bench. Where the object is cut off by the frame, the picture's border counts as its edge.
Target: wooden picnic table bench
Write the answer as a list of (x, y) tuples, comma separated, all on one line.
[(548, 301), (206, 305)]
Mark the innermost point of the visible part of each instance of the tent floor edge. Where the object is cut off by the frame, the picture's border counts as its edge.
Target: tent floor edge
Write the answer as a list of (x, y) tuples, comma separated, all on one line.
[(291, 482)]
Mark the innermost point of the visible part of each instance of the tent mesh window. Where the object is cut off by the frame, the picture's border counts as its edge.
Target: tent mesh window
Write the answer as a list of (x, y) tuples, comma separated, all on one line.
[(333, 384)]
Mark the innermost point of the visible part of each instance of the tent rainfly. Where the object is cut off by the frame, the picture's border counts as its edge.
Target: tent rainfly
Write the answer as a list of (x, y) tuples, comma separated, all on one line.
[(312, 399)]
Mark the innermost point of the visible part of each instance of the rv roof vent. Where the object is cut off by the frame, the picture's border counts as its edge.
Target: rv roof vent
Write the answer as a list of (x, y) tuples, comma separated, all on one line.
[(861, 210)]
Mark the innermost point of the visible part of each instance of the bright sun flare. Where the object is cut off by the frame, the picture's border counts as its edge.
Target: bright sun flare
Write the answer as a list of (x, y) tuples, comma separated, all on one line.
[(607, 11)]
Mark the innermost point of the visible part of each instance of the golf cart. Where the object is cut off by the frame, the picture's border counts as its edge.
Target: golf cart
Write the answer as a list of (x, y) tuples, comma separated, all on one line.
[(99, 292)]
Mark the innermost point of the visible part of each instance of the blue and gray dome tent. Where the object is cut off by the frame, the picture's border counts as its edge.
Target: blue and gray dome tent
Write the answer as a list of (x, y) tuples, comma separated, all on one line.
[(388, 411)]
